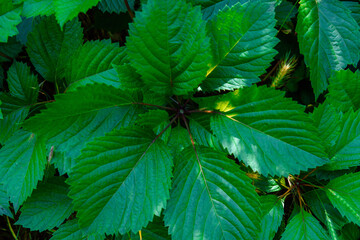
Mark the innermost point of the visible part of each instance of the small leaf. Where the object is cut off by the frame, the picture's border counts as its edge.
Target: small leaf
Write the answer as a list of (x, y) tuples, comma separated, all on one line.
[(344, 194), (304, 226), (22, 166), (67, 10), (178, 62), (22, 83), (50, 48), (133, 169), (211, 198), (326, 43), (11, 49), (9, 18), (116, 6), (273, 212), (4, 202), (242, 41), (47, 207)]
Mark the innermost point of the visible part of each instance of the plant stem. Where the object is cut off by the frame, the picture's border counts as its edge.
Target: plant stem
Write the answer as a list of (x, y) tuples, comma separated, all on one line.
[(11, 230), (129, 9), (5, 56)]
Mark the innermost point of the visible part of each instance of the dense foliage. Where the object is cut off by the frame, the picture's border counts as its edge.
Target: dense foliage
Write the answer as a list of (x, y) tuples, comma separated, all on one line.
[(200, 119)]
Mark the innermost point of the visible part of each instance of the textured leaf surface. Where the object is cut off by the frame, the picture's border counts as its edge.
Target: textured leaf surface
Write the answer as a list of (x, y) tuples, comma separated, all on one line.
[(268, 132), (92, 63), (242, 40), (50, 48), (134, 173), (354, 7), (78, 117), (344, 90), (329, 39), (22, 83), (328, 122), (14, 112), (47, 207), (67, 10), (346, 152), (273, 212), (128, 78), (168, 46), (33, 8), (284, 12), (116, 6), (68, 231), (9, 18), (304, 226), (4, 202), (322, 208), (211, 198), (12, 48), (344, 194), (22, 166)]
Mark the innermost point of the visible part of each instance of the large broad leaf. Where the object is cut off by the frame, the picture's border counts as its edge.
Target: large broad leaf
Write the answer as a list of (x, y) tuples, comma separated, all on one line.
[(168, 46), (133, 171), (211, 198), (326, 43), (66, 10), (4, 202), (268, 132), (33, 8), (72, 231), (22, 165), (9, 18), (344, 90), (78, 117), (22, 83), (304, 226), (92, 63), (243, 41), (345, 153), (14, 113), (344, 194), (116, 6), (50, 48), (47, 207), (272, 214)]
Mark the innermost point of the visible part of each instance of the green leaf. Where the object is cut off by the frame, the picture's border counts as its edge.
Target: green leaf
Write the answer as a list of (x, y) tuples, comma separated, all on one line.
[(211, 198), (327, 120), (9, 18), (168, 46), (272, 214), (92, 63), (50, 48), (133, 169), (354, 7), (78, 117), (68, 231), (344, 194), (179, 139), (116, 6), (4, 202), (270, 133), (157, 120), (201, 132), (350, 232), (33, 8), (343, 90), (345, 153), (22, 166), (305, 227), (127, 77), (22, 83), (322, 208), (212, 7), (285, 11), (67, 10), (14, 112), (326, 43), (243, 41), (11, 49), (47, 207)]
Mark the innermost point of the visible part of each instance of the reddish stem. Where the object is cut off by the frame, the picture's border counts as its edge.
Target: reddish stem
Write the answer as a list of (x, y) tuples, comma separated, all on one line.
[(129, 9)]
